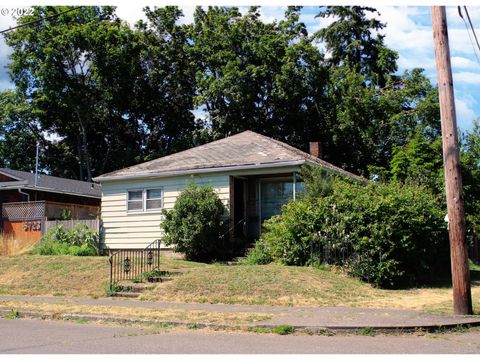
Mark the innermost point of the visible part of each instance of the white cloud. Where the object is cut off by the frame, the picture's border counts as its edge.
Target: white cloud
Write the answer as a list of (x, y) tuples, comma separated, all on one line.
[(188, 12), (5, 50), (6, 85), (409, 60), (465, 111), (52, 137), (270, 14), (414, 39), (460, 42), (463, 63), (130, 12), (314, 23), (6, 22), (454, 19), (397, 18), (466, 77)]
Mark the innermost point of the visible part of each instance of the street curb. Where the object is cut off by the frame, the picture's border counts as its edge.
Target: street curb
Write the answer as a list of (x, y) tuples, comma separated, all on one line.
[(319, 330)]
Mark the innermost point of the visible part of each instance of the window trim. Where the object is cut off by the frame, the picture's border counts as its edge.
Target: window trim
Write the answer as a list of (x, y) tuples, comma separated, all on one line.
[(145, 192), (128, 201), (144, 209)]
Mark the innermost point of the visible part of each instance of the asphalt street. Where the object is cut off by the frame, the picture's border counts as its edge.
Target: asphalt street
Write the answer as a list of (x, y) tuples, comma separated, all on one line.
[(22, 336)]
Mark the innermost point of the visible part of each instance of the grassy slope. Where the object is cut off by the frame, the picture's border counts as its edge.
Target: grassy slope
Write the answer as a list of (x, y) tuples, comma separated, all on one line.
[(266, 284), (243, 284), (61, 275), (53, 275), (290, 285)]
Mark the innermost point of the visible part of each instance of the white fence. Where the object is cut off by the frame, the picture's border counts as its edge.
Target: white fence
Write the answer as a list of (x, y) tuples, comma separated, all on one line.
[(71, 224)]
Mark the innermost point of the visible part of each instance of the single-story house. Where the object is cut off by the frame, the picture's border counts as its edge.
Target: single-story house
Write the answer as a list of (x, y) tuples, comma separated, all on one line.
[(254, 176), (28, 201)]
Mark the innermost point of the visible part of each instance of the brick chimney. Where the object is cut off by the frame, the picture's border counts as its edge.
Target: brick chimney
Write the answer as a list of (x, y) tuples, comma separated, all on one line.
[(316, 149)]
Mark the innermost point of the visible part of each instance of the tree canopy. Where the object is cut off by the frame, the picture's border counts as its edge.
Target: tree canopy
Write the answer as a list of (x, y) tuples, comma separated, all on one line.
[(100, 95)]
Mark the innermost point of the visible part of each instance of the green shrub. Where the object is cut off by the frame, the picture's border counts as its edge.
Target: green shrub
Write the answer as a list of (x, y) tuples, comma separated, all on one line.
[(257, 256), (80, 241), (51, 247), (195, 225), (387, 234), (290, 236), (283, 329)]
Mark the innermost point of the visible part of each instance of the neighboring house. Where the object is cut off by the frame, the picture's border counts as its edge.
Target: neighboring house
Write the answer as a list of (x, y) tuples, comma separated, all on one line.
[(28, 202), (254, 176)]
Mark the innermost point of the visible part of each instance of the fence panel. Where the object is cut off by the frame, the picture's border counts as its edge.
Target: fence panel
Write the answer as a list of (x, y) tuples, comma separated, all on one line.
[(33, 210), (71, 224)]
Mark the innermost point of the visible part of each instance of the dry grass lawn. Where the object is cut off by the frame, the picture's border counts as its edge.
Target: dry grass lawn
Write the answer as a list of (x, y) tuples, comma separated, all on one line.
[(290, 285), (62, 275), (232, 284), (138, 312), (53, 275)]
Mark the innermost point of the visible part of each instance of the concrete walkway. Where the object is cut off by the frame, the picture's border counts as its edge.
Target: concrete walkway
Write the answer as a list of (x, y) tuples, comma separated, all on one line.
[(334, 318)]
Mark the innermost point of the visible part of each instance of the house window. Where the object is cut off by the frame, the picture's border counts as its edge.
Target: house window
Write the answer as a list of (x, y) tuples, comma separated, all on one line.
[(144, 200), (275, 193), (135, 200), (154, 199)]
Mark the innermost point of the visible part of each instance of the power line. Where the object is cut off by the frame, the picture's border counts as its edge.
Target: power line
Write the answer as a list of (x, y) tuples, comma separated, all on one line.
[(468, 32), (471, 25), (40, 20)]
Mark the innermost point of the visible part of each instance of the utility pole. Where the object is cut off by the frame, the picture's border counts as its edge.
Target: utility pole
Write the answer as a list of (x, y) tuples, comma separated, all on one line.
[(462, 297), (36, 164)]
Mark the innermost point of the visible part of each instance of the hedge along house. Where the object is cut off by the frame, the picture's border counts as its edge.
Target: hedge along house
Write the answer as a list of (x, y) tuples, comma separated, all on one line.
[(29, 204), (253, 175)]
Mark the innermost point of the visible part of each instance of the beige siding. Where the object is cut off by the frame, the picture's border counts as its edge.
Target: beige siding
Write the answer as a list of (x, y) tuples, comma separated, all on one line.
[(137, 230)]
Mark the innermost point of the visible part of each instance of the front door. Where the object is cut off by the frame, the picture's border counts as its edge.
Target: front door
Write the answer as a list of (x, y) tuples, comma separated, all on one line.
[(239, 207)]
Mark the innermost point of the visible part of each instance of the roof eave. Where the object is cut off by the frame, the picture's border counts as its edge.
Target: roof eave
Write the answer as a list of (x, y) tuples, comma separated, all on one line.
[(198, 171), (16, 183), (38, 188), (337, 170), (11, 176)]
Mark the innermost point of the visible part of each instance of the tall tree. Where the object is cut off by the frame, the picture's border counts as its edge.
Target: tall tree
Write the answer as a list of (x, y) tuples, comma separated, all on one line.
[(63, 66), (19, 132), (470, 162), (353, 40), (165, 90), (254, 75), (99, 87), (372, 108)]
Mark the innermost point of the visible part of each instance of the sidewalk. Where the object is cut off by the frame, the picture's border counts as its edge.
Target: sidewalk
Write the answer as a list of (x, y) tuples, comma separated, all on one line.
[(312, 318)]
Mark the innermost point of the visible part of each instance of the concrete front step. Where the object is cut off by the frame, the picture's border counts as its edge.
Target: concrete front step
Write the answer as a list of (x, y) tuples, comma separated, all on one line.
[(130, 289), (127, 294), (134, 290), (159, 279), (135, 287)]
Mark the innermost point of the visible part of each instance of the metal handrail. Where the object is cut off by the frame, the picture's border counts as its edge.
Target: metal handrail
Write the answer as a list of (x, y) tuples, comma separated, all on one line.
[(128, 264), (232, 227)]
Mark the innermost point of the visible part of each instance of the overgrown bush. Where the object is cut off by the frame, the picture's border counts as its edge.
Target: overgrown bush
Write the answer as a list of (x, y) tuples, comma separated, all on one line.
[(195, 226), (80, 241), (387, 234)]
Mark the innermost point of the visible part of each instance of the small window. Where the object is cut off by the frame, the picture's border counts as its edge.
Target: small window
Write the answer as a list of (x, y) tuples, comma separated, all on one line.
[(154, 199), (135, 200), (144, 200)]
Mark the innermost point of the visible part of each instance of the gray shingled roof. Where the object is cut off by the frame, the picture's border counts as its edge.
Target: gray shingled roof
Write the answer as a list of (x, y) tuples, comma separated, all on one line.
[(50, 183), (243, 149)]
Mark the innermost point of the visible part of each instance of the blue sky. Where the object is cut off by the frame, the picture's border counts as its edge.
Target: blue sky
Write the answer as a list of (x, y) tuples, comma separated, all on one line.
[(408, 31)]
